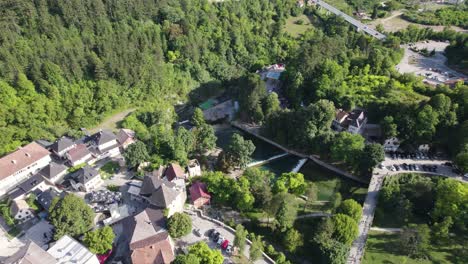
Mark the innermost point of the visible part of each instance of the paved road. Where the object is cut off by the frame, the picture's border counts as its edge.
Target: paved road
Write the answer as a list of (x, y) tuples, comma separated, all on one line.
[(356, 23)]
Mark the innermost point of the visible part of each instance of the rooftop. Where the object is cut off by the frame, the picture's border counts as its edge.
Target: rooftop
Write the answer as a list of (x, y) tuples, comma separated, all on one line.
[(31, 253), (68, 250), (174, 171), (53, 169), (62, 144), (78, 152), (21, 158), (198, 190), (85, 174)]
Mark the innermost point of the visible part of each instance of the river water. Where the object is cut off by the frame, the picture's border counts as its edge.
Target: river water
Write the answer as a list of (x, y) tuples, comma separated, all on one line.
[(327, 181)]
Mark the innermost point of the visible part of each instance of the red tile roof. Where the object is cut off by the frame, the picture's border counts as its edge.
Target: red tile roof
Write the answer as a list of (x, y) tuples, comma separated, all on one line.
[(156, 249), (78, 152), (198, 190), (21, 158), (174, 171)]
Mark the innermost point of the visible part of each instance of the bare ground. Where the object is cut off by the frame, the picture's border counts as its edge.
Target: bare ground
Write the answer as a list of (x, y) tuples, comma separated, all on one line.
[(111, 121)]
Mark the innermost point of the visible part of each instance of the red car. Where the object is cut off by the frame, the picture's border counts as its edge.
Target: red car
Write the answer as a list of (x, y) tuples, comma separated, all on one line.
[(225, 244)]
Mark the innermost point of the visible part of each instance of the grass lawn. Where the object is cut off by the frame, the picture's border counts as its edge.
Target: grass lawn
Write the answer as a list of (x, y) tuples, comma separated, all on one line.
[(109, 169), (384, 248), (328, 183), (295, 30)]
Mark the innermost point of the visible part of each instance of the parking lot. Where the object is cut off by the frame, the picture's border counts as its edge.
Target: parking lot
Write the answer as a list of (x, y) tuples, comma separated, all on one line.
[(204, 226), (395, 163), (433, 68)]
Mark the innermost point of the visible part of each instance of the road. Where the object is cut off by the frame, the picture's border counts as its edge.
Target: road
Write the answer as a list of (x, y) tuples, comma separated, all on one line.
[(358, 247), (356, 23)]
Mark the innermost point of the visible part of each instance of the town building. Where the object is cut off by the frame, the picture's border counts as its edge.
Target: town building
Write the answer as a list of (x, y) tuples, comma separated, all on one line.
[(352, 122), (149, 242), (174, 171), (194, 168), (21, 211), (199, 194), (86, 179), (34, 184), (164, 194), (126, 137), (54, 172), (62, 146), (22, 164), (31, 253), (78, 155), (104, 144), (67, 250)]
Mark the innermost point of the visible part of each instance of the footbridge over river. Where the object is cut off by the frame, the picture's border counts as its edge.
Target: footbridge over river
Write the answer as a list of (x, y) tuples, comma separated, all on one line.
[(253, 130)]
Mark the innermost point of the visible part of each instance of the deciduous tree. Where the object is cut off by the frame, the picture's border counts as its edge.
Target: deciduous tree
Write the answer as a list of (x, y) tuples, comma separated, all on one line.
[(179, 224), (99, 241)]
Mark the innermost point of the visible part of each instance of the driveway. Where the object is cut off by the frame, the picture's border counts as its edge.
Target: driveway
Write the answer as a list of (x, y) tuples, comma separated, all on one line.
[(205, 225)]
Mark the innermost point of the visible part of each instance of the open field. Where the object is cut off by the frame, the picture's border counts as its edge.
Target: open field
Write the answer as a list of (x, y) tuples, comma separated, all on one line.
[(111, 122), (296, 30), (385, 248)]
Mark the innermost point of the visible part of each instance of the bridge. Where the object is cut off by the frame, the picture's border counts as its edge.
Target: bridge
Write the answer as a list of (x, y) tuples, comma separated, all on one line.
[(356, 23)]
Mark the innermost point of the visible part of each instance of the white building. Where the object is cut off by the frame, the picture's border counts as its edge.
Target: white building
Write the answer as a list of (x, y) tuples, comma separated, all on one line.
[(78, 155), (22, 164), (67, 250), (87, 179), (194, 168), (54, 172), (352, 122), (104, 144)]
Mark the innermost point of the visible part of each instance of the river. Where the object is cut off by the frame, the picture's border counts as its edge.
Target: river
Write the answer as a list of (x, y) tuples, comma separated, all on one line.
[(326, 181)]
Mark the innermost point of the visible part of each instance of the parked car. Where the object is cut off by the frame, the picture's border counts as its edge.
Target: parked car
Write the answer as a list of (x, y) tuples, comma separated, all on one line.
[(229, 249), (220, 240), (210, 233), (216, 236), (197, 232), (225, 244)]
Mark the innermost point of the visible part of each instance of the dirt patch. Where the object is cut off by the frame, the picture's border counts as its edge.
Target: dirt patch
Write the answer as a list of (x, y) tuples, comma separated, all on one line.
[(112, 121)]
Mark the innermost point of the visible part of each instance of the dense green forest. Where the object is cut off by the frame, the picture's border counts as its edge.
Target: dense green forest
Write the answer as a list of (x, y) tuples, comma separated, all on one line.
[(65, 65)]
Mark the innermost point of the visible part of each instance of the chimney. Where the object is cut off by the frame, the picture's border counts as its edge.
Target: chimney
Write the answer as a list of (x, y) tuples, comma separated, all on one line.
[(13, 161), (27, 154)]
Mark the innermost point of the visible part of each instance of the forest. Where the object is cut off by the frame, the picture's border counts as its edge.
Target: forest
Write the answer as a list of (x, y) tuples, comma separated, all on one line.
[(65, 65)]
